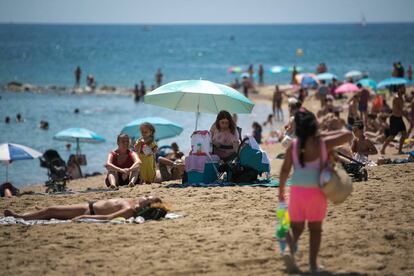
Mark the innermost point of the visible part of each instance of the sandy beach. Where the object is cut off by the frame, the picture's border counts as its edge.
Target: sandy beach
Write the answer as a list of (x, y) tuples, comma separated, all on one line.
[(225, 231)]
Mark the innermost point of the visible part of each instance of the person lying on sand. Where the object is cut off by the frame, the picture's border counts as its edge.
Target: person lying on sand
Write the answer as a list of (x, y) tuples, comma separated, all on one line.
[(101, 209)]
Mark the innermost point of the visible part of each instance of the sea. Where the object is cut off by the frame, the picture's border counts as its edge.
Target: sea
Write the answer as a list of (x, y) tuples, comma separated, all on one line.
[(123, 55)]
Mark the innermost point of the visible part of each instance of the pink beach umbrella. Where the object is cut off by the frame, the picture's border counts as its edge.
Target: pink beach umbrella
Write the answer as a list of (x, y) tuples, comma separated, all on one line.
[(347, 88)]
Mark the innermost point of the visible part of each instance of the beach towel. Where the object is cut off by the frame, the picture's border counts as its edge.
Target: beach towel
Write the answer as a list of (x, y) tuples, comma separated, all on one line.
[(136, 220), (273, 183)]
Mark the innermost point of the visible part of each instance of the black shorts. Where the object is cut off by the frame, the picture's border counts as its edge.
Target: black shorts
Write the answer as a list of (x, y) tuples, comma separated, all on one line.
[(396, 125)]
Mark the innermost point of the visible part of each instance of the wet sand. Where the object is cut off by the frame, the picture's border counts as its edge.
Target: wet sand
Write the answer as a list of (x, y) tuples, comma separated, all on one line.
[(226, 231)]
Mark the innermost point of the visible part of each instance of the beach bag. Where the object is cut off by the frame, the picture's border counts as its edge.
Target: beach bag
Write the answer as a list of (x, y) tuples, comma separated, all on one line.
[(252, 156), (335, 182), (201, 143)]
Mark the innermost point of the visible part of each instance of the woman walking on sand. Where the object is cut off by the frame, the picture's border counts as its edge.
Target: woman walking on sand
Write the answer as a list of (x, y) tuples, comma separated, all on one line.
[(307, 203)]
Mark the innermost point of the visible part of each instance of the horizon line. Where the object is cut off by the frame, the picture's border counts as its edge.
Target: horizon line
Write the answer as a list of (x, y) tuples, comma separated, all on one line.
[(205, 23)]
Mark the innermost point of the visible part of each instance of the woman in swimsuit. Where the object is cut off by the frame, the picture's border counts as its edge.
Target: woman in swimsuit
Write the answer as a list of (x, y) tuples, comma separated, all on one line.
[(224, 136), (102, 209)]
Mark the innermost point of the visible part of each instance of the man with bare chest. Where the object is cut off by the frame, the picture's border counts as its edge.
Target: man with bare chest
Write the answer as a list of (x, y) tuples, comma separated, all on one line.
[(396, 122)]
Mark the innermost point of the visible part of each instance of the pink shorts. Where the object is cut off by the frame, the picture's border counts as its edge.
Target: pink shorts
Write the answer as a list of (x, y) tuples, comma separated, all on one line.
[(307, 204)]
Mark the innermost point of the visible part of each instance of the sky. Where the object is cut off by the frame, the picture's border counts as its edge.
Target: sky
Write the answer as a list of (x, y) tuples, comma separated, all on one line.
[(204, 11)]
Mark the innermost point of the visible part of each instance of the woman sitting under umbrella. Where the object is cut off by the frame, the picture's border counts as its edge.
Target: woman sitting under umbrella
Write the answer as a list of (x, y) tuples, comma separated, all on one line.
[(122, 165), (225, 136)]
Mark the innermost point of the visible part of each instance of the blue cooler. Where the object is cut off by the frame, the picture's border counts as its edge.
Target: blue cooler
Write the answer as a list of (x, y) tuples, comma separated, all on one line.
[(209, 175)]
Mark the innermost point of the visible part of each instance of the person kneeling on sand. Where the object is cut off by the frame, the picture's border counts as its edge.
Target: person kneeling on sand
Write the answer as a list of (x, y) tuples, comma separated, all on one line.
[(122, 164), (149, 207)]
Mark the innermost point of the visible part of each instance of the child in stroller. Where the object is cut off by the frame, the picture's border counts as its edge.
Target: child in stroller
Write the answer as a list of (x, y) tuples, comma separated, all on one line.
[(56, 171)]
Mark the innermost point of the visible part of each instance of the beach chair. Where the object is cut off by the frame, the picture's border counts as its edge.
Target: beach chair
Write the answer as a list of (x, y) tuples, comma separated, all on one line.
[(56, 171)]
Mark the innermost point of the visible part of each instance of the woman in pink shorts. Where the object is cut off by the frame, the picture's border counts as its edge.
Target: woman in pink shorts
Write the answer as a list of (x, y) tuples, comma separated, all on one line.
[(306, 200)]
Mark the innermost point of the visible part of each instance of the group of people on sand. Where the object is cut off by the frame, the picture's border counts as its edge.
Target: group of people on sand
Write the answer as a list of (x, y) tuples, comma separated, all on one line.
[(313, 140), (141, 163)]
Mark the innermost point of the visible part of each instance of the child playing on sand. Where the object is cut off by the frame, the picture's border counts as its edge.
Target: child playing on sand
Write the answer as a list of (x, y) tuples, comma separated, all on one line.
[(306, 200), (362, 146), (146, 149)]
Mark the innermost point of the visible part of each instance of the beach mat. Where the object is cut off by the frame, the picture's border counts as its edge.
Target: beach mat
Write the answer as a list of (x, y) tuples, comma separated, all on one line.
[(136, 220), (273, 183)]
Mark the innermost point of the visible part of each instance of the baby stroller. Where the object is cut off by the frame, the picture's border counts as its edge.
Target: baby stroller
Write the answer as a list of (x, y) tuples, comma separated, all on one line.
[(250, 163), (56, 171), (355, 169)]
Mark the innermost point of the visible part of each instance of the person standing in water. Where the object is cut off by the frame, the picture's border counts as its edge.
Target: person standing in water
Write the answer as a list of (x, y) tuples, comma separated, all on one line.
[(158, 77), (277, 103), (78, 74)]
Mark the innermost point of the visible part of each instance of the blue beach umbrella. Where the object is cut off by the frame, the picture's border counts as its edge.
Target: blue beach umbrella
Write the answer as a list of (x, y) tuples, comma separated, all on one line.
[(199, 96), (308, 81), (368, 83), (163, 128), (392, 81), (13, 152), (78, 135), (326, 76)]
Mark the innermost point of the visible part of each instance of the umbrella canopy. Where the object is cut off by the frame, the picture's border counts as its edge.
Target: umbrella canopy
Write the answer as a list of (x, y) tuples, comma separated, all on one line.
[(13, 152), (347, 88), (353, 74), (163, 128), (199, 96), (368, 83), (326, 76), (308, 81), (279, 69), (78, 135), (235, 70), (392, 81)]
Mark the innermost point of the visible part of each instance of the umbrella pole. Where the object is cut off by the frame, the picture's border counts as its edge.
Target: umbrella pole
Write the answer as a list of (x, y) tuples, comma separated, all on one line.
[(77, 147), (197, 114), (7, 173)]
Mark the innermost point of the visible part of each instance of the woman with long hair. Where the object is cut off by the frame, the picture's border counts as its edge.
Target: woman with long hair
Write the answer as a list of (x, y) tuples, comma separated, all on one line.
[(307, 203), (224, 136)]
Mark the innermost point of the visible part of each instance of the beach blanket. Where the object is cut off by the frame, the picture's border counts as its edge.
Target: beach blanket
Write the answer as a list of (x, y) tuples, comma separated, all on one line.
[(273, 183), (136, 220)]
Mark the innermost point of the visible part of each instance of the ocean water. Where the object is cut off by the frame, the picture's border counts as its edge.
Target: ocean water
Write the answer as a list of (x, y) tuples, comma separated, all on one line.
[(122, 55), (125, 54)]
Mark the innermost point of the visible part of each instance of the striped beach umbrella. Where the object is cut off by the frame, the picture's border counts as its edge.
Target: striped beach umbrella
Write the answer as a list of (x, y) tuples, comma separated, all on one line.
[(13, 152)]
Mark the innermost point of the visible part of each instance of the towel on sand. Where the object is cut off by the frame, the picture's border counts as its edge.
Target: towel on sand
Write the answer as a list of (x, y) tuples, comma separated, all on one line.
[(137, 220), (273, 183)]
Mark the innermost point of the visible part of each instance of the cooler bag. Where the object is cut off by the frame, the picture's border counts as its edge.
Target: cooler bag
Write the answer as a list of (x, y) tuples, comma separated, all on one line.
[(252, 156)]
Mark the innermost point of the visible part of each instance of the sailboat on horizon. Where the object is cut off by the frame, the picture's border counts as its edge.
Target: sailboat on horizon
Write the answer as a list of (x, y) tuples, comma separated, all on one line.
[(363, 20)]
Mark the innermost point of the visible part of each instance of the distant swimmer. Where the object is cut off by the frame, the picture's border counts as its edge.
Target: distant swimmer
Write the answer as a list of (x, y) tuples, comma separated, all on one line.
[(44, 125), (76, 111), (7, 120), (19, 118)]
